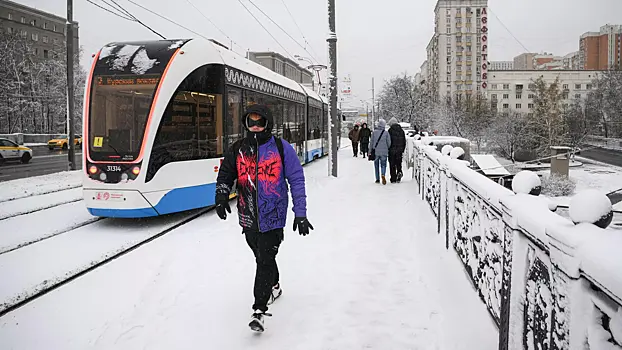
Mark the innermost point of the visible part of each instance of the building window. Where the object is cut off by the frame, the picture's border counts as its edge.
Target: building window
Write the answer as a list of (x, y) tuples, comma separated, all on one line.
[(577, 86), (519, 96), (565, 86), (588, 87), (54, 28), (518, 106), (533, 86), (531, 96), (577, 96), (55, 41), (45, 25), (478, 12), (448, 49), (565, 95), (24, 34), (23, 20), (506, 106), (530, 106), (33, 23), (448, 30), (44, 39), (506, 86), (493, 97), (10, 16), (9, 30), (459, 39), (506, 96), (35, 36), (493, 86), (45, 54)]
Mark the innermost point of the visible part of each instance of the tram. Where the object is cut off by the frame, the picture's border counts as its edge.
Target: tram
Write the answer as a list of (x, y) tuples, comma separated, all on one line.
[(159, 115)]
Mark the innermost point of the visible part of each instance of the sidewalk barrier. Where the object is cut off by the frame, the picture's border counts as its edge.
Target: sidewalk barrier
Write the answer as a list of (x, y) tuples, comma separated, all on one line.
[(546, 282)]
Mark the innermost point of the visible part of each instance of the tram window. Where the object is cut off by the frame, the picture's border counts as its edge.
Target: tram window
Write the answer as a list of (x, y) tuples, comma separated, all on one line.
[(313, 126), (235, 130), (289, 121), (192, 124)]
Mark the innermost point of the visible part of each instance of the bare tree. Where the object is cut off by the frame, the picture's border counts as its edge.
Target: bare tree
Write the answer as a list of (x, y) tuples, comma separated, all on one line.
[(546, 123), (509, 132), (606, 102)]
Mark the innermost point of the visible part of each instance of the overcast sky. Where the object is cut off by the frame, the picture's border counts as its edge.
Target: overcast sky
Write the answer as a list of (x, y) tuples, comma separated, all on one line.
[(375, 38)]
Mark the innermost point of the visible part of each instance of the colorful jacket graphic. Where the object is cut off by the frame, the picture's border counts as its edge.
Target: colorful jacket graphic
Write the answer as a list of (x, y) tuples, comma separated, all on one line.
[(261, 186)]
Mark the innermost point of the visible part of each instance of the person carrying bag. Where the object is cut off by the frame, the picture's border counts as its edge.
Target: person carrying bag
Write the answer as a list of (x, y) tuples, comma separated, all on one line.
[(380, 151)]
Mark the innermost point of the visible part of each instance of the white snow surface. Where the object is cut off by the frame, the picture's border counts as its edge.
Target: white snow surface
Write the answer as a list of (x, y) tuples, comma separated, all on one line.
[(373, 274), (9, 209), (446, 150), (123, 56), (456, 152), (142, 63), (524, 181), (589, 206), (36, 185), (176, 45)]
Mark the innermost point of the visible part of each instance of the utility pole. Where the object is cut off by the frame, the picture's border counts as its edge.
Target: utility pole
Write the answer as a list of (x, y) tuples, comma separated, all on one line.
[(373, 101), (70, 96), (334, 121)]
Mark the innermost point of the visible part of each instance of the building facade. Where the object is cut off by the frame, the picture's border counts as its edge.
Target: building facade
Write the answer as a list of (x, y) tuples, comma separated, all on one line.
[(510, 90), (458, 51), (45, 31), (501, 65), (601, 50), (524, 61), (283, 66)]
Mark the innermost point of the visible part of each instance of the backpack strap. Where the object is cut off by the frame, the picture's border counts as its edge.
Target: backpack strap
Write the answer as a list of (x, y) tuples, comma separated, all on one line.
[(279, 146)]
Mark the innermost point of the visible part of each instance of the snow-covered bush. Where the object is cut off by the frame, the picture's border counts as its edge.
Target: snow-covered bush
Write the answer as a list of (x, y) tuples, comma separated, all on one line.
[(556, 185), (591, 206), (527, 182)]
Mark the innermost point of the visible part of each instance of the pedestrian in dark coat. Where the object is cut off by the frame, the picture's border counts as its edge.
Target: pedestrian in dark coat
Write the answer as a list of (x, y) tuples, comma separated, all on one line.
[(261, 167), (354, 136), (365, 136), (398, 145)]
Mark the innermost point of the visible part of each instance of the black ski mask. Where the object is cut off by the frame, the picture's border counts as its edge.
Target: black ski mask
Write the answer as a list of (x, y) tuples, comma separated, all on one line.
[(267, 121)]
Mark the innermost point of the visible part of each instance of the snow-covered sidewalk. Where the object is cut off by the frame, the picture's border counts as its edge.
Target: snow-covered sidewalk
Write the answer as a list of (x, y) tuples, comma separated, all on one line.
[(374, 274)]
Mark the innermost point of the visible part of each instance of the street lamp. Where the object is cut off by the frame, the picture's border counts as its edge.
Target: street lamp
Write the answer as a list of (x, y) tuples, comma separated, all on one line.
[(315, 67)]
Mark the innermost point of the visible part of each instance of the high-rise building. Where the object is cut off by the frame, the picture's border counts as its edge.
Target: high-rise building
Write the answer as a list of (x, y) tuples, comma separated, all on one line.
[(458, 51), (601, 50), (501, 65), (524, 61), (45, 31)]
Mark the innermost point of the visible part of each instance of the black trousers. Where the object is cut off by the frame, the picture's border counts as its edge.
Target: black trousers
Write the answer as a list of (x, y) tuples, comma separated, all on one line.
[(355, 147), (365, 147), (265, 246), (395, 165)]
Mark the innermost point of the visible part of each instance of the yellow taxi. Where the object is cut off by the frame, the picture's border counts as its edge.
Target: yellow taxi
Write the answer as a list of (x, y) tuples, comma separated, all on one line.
[(63, 142), (9, 150)]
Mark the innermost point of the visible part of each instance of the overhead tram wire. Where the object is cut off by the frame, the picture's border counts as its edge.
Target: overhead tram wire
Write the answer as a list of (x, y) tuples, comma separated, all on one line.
[(108, 10), (262, 26), (115, 5), (283, 30), (215, 26), (134, 18), (508, 30), (167, 19), (297, 26)]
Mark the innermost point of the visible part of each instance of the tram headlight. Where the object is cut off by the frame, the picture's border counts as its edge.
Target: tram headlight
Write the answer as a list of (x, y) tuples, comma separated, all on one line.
[(136, 170), (103, 176), (124, 177), (92, 170)]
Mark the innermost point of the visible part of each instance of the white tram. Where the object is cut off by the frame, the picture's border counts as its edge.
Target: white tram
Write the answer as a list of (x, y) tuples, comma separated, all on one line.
[(159, 115)]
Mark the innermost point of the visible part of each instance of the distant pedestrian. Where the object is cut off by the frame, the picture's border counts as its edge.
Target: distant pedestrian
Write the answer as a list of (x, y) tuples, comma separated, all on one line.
[(380, 143), (365, 136), (396, 151), (354, 136)]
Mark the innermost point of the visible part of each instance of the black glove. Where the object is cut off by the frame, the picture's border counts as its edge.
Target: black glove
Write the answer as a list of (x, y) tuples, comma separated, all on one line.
[(303, 224), (222, 204)]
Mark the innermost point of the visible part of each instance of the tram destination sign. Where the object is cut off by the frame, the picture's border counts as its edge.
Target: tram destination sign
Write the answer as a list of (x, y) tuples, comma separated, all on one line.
[(129, 80)]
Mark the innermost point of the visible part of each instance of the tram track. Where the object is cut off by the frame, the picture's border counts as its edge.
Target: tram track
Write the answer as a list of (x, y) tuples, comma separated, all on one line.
[(18, 300)]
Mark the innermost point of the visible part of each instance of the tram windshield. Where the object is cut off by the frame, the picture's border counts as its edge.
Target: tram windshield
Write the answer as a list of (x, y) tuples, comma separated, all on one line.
[(119, 109)]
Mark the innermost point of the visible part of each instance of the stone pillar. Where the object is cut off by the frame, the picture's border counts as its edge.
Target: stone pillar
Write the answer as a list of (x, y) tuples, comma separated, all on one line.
[(560, 160)]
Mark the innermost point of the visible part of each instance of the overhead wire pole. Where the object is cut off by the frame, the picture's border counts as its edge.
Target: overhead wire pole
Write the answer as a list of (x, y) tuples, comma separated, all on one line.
[(334, 118), (373, 101), (70, 95)]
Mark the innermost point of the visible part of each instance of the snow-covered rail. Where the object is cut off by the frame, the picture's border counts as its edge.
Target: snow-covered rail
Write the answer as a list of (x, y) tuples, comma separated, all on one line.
[(547, 283)]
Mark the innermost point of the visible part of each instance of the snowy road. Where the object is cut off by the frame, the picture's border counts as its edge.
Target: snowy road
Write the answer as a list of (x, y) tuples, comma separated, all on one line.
[(374, 274)]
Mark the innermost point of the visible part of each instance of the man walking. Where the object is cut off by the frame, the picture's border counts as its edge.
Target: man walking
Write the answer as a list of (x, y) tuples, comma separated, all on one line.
[(261, 163), (354, 137), (364, 136), (380, 143), (396, 151)]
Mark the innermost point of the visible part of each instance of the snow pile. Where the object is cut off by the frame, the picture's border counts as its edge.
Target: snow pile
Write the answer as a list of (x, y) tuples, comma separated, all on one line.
[(446, 150), (39, 185), (555, 185), (123, 57), (590, 206), (457, 153), (142, 63), (597, 336), (176, 45), (526, 182)]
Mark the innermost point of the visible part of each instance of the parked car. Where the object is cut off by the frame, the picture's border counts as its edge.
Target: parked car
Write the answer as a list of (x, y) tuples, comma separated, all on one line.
[(10, 150), (63, 142)]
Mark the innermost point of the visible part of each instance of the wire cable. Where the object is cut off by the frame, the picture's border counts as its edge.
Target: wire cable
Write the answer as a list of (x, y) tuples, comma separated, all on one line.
[(115, 5), (297, 26), (114, 13), (283, 30), (168, 20), (214, 24), (262, 26), (135, 18), (506, 28)]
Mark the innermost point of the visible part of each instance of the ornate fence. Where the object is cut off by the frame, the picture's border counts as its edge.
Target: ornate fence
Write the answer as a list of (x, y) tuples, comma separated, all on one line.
[(546, 282)]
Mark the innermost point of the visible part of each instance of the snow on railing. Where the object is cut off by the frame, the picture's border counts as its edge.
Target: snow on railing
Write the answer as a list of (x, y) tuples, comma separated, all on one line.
[(547, 282)]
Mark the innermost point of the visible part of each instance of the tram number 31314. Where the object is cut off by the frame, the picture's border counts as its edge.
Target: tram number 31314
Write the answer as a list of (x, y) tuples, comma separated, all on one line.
[(113, 168)]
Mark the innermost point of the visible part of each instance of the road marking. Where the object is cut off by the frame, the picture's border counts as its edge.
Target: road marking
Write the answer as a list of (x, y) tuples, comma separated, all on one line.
[(56, 155)]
